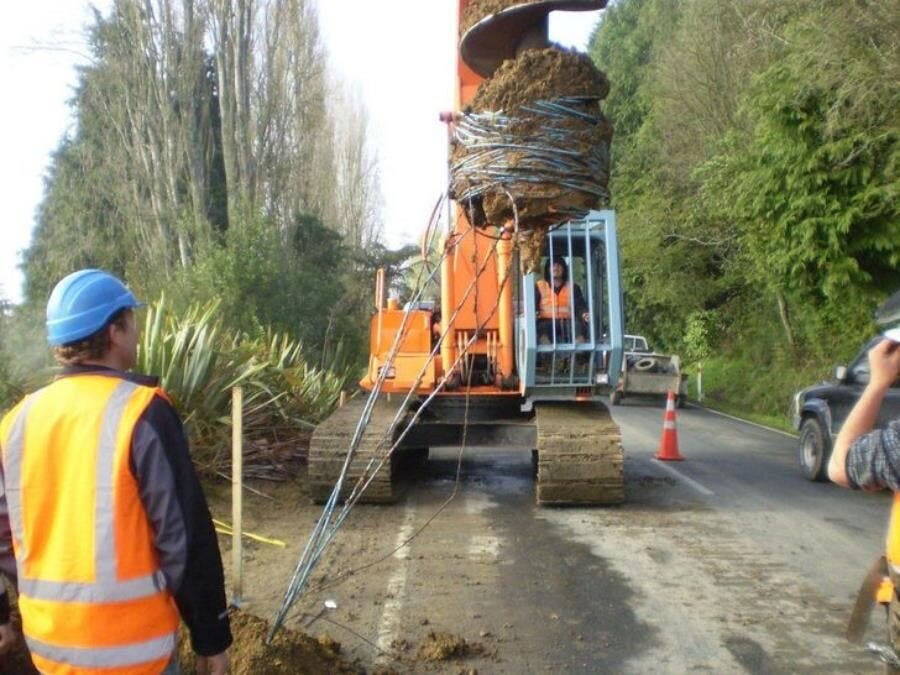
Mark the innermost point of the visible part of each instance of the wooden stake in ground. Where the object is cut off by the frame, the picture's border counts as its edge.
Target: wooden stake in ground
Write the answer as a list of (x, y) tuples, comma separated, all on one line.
[(237, 474)]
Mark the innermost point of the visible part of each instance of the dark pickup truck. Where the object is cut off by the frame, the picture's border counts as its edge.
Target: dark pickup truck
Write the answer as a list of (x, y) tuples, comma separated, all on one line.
[(820, 411)]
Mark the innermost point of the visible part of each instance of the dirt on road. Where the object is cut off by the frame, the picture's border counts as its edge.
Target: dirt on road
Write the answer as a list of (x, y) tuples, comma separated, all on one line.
[(662, 584), (291, 651), (308, 642), (669, 582)]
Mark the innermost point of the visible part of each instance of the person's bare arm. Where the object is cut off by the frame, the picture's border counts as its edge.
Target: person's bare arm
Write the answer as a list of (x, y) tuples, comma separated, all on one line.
[(884, 365)]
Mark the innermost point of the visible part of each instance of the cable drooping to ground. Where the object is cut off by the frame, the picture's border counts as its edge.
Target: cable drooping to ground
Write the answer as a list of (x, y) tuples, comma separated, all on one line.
[(327, 526)]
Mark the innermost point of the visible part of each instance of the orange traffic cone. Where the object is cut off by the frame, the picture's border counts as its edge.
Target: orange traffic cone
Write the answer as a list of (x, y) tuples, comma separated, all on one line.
[(668, 445)]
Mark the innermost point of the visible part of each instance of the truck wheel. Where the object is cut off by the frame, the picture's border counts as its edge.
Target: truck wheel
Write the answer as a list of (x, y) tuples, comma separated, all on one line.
[(615, 397), (679, 401), (813, 450)]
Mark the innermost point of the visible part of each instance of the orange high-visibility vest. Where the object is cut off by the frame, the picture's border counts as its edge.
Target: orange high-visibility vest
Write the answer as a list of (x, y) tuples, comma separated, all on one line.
[(553, 305), (91, 593)]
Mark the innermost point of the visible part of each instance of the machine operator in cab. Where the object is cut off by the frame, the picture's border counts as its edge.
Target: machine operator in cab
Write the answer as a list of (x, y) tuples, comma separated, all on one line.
[(556, 297)]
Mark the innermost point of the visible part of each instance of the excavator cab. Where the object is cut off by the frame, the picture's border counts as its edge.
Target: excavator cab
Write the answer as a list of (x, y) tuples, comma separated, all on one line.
[(569, 343)]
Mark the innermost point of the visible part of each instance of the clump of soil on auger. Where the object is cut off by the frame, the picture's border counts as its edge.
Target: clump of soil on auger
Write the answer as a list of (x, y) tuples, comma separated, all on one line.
[(535, 168), (541, 74), (291, 652), (478, 9), (444, 646)]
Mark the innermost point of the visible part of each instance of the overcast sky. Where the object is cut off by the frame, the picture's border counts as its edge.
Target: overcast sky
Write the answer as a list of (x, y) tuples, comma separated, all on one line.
[(405, 77)]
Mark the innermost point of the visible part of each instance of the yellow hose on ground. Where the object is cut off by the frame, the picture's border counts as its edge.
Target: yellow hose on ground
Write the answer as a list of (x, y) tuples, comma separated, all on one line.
[(225, 528)]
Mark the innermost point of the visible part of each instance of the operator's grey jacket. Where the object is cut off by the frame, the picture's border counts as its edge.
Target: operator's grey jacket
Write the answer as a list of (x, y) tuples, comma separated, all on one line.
[(185, 538)]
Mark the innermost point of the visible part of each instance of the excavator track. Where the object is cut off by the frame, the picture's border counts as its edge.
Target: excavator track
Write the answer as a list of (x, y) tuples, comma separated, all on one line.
[(579, 455), (328, 451)]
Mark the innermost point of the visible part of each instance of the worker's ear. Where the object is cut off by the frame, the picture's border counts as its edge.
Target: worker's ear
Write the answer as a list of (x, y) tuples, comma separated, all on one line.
[(114, 335), (117, 332)]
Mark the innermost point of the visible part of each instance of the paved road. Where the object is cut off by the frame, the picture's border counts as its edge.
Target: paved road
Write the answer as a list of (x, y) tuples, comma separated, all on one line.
[(729, 562)]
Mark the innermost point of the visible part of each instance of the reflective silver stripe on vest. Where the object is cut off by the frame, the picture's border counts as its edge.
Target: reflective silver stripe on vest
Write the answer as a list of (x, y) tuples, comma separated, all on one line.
[(100, 657), (104, 505), (106, 587), (69, 591), (15, 446)]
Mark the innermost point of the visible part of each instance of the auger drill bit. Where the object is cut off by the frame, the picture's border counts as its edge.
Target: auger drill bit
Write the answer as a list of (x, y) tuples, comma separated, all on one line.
[(509, 32)]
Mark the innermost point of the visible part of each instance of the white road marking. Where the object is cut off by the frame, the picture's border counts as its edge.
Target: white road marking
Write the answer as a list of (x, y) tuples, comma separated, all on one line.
[(389, 625), (484, 548), (687, 481), (741, 419), (476, 503)]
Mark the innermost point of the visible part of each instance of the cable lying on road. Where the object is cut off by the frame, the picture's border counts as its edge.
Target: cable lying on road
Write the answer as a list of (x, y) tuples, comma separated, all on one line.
[(328, 524)]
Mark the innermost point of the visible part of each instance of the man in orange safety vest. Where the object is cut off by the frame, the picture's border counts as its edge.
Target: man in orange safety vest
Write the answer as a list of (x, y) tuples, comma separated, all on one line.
[(103, 523), (557, 298)]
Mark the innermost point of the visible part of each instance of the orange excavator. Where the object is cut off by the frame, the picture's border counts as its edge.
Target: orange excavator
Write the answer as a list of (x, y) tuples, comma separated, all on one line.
[(484, 366)]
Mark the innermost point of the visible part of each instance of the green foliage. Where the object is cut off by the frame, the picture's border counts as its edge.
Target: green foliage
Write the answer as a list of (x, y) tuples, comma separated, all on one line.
[(624, 47), (10, 385), (25, 357), (77, 224), (755, 175), (166, 184), (839, 224), (304, 282), (699, 335), (199, 362), (416, 271)]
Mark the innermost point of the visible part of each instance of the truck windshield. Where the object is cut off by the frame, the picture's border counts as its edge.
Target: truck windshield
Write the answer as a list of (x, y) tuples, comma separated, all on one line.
[(635, 343)]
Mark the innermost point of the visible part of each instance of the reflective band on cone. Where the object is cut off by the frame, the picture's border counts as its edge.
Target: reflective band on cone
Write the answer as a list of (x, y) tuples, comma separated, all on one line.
[(668, 444)]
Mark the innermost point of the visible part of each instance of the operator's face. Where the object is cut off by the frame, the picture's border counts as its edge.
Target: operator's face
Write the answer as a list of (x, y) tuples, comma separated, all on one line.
[(557, 271)]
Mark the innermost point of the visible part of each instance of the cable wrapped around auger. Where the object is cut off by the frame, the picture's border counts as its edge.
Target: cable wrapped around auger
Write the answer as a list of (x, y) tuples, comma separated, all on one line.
[(551, 156)]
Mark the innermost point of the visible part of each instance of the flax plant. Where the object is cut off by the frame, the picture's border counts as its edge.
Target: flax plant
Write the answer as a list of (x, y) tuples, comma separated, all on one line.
[(199, 362)]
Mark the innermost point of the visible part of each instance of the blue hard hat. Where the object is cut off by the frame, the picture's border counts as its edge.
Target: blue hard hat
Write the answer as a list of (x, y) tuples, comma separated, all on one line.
[(83, 303)]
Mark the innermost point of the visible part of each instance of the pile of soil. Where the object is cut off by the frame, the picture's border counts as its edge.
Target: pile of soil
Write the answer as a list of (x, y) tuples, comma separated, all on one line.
[(291, 652), (519, 152), (476, 10), (541, 74), (444, 646)]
